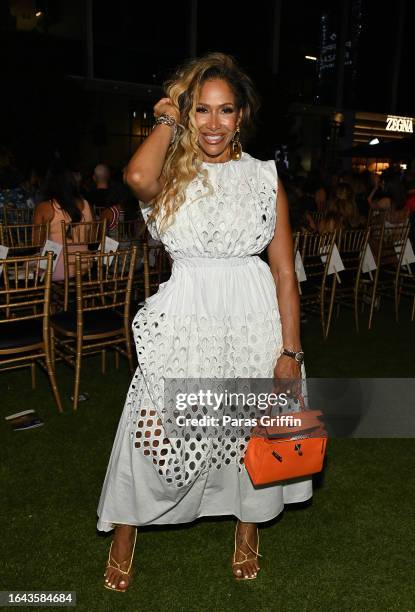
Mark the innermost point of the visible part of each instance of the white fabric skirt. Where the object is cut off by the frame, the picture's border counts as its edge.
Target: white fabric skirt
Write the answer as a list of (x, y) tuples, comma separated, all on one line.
[(213, 319)]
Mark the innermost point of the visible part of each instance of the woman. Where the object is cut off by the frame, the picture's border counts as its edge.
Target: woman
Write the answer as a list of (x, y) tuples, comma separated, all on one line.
[(390, 198), (113, 215), (118, 213), (342, 211), (62, 202), (224, 313)]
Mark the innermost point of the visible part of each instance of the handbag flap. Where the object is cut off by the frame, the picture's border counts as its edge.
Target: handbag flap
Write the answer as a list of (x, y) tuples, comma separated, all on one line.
[(284, 424)]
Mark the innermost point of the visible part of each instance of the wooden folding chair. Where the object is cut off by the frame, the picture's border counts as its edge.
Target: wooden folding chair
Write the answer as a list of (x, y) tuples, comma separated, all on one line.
[(24, 239), (352, 246), (87, 236), (317, 216), (130, 232), (388, 246), (391, 264), (406, 287), (25, 290), (102, 317), (12, 215), (317, 292), (376, 217)]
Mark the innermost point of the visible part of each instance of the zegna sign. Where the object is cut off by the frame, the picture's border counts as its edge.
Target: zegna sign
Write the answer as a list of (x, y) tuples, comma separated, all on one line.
[(399, 124)]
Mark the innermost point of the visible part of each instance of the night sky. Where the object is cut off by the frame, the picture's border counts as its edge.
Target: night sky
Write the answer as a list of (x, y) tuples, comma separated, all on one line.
[(144, 42)]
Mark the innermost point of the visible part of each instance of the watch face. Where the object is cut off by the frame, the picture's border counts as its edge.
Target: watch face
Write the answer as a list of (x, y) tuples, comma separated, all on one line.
[(299, 357)]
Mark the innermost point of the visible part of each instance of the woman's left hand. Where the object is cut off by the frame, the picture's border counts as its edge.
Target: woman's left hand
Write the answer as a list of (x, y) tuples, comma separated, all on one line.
[(287, 374), (287, 368)]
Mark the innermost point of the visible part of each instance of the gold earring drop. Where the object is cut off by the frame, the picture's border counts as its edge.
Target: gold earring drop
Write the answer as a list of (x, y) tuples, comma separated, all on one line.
[(236, 147)]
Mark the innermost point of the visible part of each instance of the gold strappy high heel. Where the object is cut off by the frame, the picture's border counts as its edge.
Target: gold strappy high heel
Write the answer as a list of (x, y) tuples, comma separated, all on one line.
[(255, 552), (117, 566)]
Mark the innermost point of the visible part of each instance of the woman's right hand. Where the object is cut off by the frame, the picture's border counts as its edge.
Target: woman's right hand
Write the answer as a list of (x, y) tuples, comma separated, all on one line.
[(166, 106)]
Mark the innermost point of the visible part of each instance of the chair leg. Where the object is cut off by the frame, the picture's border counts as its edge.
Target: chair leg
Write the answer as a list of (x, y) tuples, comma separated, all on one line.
[(33, 373), (129, 351), (50, 365), (117, 360), (322, 318), (66, 296), (372, 307), (103, 361), (356, 310), (396, 292), (337, 312), (413, 309), (77, 373), (52, 347), (327, 326), (399, 295), (330, 313), (372, 301)]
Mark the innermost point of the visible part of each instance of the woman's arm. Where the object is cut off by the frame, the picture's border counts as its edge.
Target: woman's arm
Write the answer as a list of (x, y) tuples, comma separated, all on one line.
[(109, 216), (143, 173), (281, 262), (43, 213)]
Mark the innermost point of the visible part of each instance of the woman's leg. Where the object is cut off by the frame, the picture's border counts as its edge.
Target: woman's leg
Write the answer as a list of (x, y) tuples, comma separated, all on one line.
[(246, 543), (121, 553)]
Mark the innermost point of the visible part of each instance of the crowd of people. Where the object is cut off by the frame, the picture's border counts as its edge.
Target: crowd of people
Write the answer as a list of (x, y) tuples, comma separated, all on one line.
[(64, 194), (341, 201), (316, 203), (345, 200), (100, 187)]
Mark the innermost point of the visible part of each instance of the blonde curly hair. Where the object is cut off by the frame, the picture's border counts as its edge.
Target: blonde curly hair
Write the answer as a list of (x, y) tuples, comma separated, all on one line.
[(183, 161)]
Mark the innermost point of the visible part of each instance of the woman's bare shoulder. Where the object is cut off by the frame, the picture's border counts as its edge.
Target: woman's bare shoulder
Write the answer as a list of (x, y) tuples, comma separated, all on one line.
[(44, 205), (44, 209)]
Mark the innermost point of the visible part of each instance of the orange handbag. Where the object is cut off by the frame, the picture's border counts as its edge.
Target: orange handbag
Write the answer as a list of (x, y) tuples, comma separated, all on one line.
[(287, 452)]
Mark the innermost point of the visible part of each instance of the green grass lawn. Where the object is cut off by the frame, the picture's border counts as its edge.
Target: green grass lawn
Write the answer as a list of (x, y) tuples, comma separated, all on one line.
[(351, 548)]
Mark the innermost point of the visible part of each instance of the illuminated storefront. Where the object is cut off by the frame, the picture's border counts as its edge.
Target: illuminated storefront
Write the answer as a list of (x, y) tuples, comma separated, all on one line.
[(322, 137), (379, 140)]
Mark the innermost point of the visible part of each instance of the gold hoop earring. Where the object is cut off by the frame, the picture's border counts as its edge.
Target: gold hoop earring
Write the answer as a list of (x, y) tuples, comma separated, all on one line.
[(236, 147)]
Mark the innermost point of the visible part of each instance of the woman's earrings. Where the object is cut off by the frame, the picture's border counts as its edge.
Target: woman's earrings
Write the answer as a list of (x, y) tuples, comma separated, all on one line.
[(236, 147)]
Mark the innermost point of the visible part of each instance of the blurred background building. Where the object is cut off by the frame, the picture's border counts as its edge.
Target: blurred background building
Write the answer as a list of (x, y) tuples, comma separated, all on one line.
[(82, 77)]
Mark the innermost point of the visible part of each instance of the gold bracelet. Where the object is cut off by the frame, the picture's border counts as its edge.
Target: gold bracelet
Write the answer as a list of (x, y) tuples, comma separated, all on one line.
[(167, 120)]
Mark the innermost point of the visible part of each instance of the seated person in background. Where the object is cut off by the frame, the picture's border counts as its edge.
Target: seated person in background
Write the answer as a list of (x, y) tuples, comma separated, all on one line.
[(126, 210), (101, 194), (113, 215), (300, 217), (107, 191), (62, 202), (391, 197), (342, 211), (314, 195)]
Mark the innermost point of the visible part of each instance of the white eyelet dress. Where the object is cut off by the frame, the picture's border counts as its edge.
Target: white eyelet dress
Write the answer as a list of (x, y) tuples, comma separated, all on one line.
[(216, 317)]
